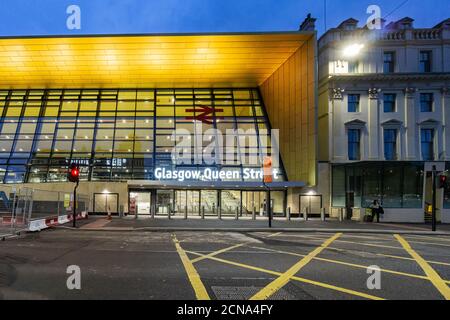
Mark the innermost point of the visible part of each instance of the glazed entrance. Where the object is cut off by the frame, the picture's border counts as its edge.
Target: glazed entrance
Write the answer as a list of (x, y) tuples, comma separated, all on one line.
[(205, 203)]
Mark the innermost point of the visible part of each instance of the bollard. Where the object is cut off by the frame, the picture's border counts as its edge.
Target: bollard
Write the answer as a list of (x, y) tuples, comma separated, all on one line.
[(322, 214), (341, 214), (288, 214), (203, 212), (237, 213), (185, 213), (219, 213), (168, 213), (305, 214), (254, 213)]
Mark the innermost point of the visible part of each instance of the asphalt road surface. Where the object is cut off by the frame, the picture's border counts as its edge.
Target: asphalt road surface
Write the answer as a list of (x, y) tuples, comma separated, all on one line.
[(204, 265)]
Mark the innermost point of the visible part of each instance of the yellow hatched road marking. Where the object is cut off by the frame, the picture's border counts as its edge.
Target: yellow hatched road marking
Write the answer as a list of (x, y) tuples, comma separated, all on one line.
[(284, 278), (312, 238), (420, 237), (215, 253), (434, 277), (368, 244), (388, 256), (430, 243), (349, 264), (194, 277), (300, 279)]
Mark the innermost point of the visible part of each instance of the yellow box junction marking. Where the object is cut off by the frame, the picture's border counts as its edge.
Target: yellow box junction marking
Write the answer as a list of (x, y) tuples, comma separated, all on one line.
[(312, 282), (349, 264), (434, 277), (194, 277), (215, 253), (278, 283)]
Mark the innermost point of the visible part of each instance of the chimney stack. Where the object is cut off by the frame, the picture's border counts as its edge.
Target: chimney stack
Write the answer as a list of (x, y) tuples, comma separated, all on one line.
[(309, 24)]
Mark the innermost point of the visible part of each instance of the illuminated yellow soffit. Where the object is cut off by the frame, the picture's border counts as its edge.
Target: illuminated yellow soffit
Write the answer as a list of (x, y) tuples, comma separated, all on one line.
[(236, 60)]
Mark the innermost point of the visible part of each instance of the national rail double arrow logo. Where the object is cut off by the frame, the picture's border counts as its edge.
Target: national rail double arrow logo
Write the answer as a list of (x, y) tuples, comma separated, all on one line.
[(204, 114)]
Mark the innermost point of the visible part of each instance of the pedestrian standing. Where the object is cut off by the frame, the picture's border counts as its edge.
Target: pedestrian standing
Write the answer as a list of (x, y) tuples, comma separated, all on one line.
[(376, 210)]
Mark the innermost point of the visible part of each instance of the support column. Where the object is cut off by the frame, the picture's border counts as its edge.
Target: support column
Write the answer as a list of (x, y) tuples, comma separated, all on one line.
[(411, 136), (337, 137), (374, 124)]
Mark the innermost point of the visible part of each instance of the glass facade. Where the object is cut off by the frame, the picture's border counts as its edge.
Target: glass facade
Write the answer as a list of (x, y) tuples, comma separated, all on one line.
[(396, 185), (119, 134)]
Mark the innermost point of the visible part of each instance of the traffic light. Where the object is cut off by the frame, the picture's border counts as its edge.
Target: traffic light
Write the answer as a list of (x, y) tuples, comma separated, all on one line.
[(443, 181), (74, 173)]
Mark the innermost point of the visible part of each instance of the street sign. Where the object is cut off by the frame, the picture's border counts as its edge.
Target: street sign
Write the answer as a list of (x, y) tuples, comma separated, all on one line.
[(66, 200)]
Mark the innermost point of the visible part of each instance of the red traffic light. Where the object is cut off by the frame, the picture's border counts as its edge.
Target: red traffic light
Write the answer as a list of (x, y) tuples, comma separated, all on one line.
[(442, 181), (74, 173)]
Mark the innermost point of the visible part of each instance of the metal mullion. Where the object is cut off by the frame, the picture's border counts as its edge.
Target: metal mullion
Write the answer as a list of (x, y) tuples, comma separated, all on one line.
[(38, 127), (75, 129), (256, 126), (16, 135), (134, 136), (2, 121), (56, 129), (237, 134), (94, 136), (154, 130), (114, 139)]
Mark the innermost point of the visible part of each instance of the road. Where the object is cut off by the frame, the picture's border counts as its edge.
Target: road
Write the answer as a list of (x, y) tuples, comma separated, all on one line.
[(224, 265)]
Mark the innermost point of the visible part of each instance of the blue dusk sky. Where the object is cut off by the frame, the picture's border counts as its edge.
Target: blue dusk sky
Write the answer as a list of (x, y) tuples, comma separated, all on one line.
[(48, 17)]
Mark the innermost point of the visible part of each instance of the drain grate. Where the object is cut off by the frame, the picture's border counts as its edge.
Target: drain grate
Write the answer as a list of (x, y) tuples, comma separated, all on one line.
[(245, 293)]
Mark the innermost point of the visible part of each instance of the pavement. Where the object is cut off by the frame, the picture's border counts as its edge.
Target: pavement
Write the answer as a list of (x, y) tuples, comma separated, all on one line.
[(225, 265), (99, 223)]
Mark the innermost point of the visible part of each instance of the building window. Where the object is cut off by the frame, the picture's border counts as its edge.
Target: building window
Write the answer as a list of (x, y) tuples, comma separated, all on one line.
[(427, 143), (354, 137), (389, 102), (353, 66), (338, 186), (390, 144), (388, 62), (426, 102), (425, 61), (353, 102)]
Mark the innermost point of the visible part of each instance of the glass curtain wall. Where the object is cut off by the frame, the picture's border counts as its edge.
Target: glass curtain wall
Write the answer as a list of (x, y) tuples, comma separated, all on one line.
[(396, 185), (116, 134)]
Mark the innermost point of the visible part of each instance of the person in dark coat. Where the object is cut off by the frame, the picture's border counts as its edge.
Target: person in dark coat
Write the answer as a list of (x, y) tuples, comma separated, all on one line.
[(376, 210)]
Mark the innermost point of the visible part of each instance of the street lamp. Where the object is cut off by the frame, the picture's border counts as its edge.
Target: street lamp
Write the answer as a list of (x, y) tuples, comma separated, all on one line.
[(353, 50)]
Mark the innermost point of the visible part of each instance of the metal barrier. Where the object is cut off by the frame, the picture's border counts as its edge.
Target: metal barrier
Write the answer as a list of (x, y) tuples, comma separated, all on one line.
[(23, 208)]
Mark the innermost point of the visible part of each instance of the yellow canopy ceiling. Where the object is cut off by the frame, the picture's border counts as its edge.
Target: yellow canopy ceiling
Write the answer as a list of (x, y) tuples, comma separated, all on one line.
[(237, 60)]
